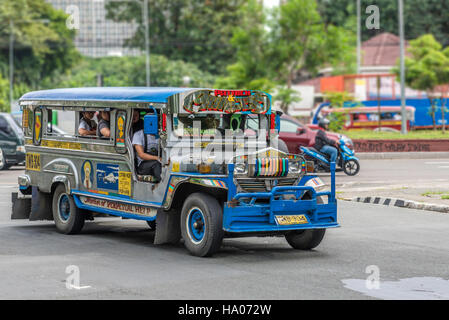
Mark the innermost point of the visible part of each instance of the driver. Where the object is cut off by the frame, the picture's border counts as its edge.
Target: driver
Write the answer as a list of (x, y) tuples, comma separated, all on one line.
[(323, 144)]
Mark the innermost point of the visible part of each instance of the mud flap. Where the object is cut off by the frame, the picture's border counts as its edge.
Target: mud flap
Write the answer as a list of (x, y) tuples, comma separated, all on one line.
[(21, 207), (167, 227), (41, 206)]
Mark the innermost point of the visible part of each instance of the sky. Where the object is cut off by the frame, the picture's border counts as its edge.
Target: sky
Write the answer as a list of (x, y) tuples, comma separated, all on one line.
[(271, 3)]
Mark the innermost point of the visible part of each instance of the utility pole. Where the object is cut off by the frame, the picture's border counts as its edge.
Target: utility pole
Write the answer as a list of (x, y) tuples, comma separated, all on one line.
[(11, 64), (147, 41), (402, 54), (359, 35)]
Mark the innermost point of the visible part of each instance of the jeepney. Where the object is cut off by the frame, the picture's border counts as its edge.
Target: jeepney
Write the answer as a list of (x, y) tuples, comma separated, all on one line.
[(224, 172)]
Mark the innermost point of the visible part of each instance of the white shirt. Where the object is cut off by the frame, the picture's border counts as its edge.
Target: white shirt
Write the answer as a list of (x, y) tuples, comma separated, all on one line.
[(138, 139)]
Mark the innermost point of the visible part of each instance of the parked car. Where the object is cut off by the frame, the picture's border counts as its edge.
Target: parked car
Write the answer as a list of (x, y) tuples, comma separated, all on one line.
[(296, 135), (11, 142)]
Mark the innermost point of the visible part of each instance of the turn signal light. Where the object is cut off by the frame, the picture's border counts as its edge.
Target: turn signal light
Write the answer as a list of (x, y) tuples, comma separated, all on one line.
[(310, 166), (204, 168)]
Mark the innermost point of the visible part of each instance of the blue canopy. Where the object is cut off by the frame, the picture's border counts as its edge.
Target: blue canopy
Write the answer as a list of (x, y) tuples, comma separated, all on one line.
[(116, 94)]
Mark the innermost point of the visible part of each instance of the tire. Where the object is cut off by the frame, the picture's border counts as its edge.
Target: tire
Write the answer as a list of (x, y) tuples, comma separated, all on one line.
[(152, 224), (305, 239), (202, 224), (3, 165), (351, 167), (69, 219)]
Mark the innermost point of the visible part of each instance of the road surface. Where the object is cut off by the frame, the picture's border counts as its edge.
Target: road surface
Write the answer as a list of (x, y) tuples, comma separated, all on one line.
[(403, 252)]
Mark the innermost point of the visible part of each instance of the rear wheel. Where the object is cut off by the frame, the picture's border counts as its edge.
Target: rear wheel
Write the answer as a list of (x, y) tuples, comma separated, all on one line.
[(69, 219), (202, 224), (305, 239)]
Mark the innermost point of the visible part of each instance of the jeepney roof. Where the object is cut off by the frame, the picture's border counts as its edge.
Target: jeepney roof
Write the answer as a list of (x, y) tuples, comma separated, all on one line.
[(105, 94)]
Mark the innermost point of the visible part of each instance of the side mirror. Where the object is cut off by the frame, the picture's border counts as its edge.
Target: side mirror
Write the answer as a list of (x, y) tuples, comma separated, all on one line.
[(150, 124), (300, 131)]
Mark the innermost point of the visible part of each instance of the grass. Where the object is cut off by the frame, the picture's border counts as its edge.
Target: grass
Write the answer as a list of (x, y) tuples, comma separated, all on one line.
[(444, 195), (412, 135)]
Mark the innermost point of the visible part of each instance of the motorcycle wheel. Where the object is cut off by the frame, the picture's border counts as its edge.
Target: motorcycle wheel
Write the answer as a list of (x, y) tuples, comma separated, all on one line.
[(351, 167)]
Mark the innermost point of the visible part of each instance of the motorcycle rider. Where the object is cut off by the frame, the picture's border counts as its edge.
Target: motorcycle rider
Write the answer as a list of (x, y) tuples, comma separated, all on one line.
[(323, 144)]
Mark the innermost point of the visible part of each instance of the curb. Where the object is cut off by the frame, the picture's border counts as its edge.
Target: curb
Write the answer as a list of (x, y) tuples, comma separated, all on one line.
[(401, 203), (402, 155)]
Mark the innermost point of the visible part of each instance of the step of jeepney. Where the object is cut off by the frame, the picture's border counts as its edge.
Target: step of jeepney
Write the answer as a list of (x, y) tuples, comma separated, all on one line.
[(147, 178)]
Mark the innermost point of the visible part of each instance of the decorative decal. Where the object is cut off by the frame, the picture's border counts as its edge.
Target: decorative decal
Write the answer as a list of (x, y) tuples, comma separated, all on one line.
[(208, 100), (37, 126), (119, 206), (86, 174), (107, 176), (124, 183), (120, 136), (61, 144)]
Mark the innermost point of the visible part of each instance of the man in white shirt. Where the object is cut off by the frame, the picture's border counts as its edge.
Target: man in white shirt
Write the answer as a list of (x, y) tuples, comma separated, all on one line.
[(148, 160)]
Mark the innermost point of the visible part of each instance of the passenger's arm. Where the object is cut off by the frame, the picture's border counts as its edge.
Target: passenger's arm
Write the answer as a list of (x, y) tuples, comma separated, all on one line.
[(106, 132), (145, 156), (85, 132)]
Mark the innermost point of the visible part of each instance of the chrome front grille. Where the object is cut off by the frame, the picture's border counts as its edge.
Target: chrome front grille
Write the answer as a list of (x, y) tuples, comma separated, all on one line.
[(263, 185)]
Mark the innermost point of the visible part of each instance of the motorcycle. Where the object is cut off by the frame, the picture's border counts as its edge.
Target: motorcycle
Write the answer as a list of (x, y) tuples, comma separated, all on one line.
[(345, 160)]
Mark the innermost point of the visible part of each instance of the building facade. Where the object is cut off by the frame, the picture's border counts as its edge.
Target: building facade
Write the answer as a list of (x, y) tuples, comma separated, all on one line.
[(96, 36)]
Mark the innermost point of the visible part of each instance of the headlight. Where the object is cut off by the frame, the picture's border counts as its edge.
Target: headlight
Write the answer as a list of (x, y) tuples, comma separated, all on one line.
[(294, 167), (348, 142), (20, 149), (241, 168)]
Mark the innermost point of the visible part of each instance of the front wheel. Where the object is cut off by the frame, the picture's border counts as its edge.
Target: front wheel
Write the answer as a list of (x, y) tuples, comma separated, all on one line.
[(305, 239), (351, 167), (69, 219), (202, 224)]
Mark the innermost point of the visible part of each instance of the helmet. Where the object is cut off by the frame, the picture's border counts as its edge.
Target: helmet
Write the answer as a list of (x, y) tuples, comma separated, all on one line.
[(323, 122)]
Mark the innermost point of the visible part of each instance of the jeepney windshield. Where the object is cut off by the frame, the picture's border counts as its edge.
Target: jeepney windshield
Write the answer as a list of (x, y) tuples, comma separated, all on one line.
[(211, 124)]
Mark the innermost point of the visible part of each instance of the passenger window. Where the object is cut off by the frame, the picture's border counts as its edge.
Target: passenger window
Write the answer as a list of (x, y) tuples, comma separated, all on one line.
[(5, 128), (60, 123), (87, 124)]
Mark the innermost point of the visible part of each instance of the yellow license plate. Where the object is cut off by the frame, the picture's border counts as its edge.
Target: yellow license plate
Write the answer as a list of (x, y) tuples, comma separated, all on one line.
[(288, 220), (33, 161)]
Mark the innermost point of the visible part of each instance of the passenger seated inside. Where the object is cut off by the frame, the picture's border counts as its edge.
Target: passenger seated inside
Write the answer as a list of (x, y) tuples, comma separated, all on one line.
[(147, 151), (137, 123), (103, 128), (87, 126)]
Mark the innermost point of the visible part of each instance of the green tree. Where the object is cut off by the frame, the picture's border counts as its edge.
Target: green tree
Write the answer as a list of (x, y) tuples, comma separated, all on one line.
[(339, 100), (289, 42), (426, 69), (4, 94), (43, 45), (420, 17), (130, 71), (196, 31)]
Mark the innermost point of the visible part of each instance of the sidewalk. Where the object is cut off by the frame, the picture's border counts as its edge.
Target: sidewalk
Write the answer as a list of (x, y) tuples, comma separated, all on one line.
[(424, 197), (402, 155)]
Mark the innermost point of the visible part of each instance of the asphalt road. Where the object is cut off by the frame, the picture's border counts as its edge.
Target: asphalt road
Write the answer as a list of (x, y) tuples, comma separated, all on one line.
[(116, 259), (398, 171)]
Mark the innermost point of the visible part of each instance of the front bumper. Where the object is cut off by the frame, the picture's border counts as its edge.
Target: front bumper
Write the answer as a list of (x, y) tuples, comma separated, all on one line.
[(245, 213)]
